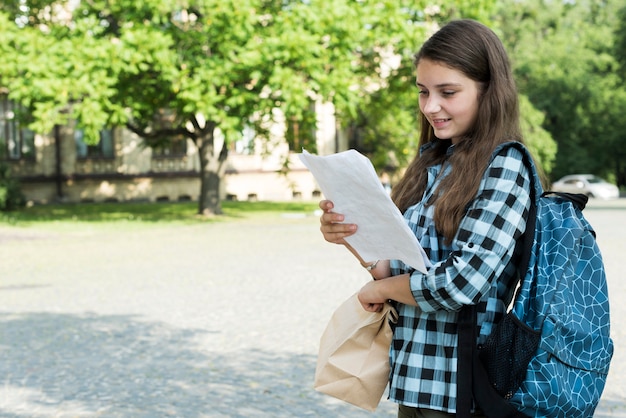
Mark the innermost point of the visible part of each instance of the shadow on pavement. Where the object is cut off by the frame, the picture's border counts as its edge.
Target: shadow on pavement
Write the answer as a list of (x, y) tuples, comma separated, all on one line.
[(610, 407), (120, 366)]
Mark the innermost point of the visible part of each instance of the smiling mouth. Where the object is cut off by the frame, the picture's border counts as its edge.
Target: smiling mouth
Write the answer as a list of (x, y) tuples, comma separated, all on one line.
[(439, 123)]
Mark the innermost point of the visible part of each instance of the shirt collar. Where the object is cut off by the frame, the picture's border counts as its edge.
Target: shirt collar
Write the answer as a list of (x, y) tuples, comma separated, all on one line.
[(431, 144)]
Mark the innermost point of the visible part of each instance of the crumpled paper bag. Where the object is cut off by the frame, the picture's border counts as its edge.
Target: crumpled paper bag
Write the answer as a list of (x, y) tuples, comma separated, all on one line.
[(353, 360)]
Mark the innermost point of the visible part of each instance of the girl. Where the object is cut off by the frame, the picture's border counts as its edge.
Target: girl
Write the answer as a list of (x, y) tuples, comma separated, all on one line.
[(466, 209)]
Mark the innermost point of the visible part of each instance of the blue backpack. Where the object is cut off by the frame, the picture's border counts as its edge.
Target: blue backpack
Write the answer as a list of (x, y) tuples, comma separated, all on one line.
[(550, 354)]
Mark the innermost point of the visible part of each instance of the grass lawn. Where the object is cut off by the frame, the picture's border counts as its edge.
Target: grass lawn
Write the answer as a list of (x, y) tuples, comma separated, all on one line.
[(145, 212)]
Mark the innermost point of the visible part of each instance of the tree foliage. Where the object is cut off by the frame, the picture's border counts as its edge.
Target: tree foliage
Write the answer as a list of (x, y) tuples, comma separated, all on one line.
[(387, 121), (566, 62), (201, 70), (204, 70), (540, 142), (11, 196)]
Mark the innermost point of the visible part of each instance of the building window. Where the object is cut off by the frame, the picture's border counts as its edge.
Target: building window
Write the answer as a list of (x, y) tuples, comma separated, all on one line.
[(176, 148), (356, 138), (244, 145), (103, 149), (301, 132), (17, 142)]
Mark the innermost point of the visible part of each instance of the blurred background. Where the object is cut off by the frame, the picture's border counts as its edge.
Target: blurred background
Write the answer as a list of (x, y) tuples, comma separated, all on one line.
[(209, 101), (126, 125)]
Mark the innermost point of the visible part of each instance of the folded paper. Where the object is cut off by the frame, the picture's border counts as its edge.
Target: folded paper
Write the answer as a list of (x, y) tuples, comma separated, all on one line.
[(349, 180)]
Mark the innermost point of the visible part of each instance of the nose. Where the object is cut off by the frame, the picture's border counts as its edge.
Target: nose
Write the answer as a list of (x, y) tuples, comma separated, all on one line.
[(430, 104)]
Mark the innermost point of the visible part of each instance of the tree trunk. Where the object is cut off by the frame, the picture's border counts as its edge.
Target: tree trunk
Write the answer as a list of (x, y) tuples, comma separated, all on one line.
[(212, 170)]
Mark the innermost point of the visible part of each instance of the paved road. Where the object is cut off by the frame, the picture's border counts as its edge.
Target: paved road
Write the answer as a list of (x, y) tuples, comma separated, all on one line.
[(218, 320)]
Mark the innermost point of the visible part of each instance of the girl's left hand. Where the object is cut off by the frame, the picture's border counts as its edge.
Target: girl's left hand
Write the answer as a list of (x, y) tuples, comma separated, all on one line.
[(371, 298)]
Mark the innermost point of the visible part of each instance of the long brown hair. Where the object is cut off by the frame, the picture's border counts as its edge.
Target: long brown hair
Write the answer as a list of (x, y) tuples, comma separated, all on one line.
[(476, 51)]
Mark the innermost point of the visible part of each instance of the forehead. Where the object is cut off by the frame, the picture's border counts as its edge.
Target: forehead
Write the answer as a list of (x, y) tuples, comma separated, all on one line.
[(434, 73)]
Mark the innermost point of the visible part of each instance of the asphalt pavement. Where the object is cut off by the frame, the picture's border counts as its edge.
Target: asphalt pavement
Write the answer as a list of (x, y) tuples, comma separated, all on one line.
[(214, 320)]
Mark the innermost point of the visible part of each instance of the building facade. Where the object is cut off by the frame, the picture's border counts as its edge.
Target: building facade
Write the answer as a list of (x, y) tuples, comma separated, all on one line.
[(61, 167)]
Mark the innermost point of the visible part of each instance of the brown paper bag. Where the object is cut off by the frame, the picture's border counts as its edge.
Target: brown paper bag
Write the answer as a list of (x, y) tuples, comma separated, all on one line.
[(353, 360)]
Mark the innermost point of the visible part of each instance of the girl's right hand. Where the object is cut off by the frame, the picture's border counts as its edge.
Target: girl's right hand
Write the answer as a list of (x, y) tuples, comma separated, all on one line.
[(332, 227)]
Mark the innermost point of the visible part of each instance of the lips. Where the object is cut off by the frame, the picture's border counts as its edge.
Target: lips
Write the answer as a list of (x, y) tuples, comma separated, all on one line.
[(439, 123)]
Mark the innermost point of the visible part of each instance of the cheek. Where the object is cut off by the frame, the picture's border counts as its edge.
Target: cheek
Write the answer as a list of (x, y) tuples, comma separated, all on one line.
[(471, 112), (474, 114)]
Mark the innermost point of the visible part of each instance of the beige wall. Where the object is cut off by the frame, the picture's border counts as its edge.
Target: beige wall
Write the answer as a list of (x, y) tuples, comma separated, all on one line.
[(133, 175)]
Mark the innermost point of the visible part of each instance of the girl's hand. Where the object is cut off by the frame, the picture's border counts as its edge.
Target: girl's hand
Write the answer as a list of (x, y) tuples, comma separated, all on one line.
[(375, 293), (332, 229), (371, 298)]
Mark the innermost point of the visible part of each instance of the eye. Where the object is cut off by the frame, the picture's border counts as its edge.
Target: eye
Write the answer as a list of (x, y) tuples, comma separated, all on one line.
[(423, 92), (448, 93)]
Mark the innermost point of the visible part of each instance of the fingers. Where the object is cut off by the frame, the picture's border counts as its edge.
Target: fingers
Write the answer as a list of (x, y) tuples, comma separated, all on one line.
[(334, 231), (368, 299), (373, 307), (331, 224), (326, 205)]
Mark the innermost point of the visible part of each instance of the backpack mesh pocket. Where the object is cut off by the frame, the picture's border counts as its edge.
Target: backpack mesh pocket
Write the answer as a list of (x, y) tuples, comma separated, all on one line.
[(506, 354)]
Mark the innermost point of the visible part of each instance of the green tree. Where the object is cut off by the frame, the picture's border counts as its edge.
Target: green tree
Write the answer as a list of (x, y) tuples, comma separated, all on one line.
[(619, 50), (11, 196), (540, 141), (620, 41), (565, 63), (205, 70), (201, 70), (386, 123)]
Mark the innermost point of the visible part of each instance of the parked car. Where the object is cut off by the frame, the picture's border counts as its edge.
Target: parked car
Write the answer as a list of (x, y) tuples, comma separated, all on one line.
[(588, 184)]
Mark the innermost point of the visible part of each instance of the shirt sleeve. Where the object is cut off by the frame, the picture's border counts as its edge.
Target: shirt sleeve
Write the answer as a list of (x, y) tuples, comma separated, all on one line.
[(485, 240)]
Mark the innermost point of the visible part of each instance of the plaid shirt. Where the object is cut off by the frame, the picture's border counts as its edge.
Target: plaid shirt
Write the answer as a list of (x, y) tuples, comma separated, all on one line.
[(476, 268)]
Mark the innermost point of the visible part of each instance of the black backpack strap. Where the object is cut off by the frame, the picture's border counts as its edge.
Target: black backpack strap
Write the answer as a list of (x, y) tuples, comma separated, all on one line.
[(578, 199), (492, 405), (466, 330), (472, 379), (531, 220)]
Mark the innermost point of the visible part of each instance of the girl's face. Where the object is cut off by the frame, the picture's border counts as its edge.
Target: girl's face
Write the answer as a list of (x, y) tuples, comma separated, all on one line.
[(448, 99)]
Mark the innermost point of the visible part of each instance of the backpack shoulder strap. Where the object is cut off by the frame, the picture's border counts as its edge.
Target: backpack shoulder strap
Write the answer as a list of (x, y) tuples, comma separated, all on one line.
[(470, 372), (578, 199), (536, 191)]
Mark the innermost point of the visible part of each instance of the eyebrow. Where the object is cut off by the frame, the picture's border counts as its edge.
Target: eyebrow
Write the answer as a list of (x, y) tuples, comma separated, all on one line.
[(442, 85)]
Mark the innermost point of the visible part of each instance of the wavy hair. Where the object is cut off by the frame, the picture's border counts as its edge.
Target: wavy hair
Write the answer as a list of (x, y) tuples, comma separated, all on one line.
[(477, 52)]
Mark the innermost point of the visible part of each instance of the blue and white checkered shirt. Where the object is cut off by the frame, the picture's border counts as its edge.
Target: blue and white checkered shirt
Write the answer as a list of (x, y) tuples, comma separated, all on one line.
[(475, 268)]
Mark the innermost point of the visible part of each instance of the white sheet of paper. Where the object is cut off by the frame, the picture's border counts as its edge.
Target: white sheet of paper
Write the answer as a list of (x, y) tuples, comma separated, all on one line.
[(349, 180)]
